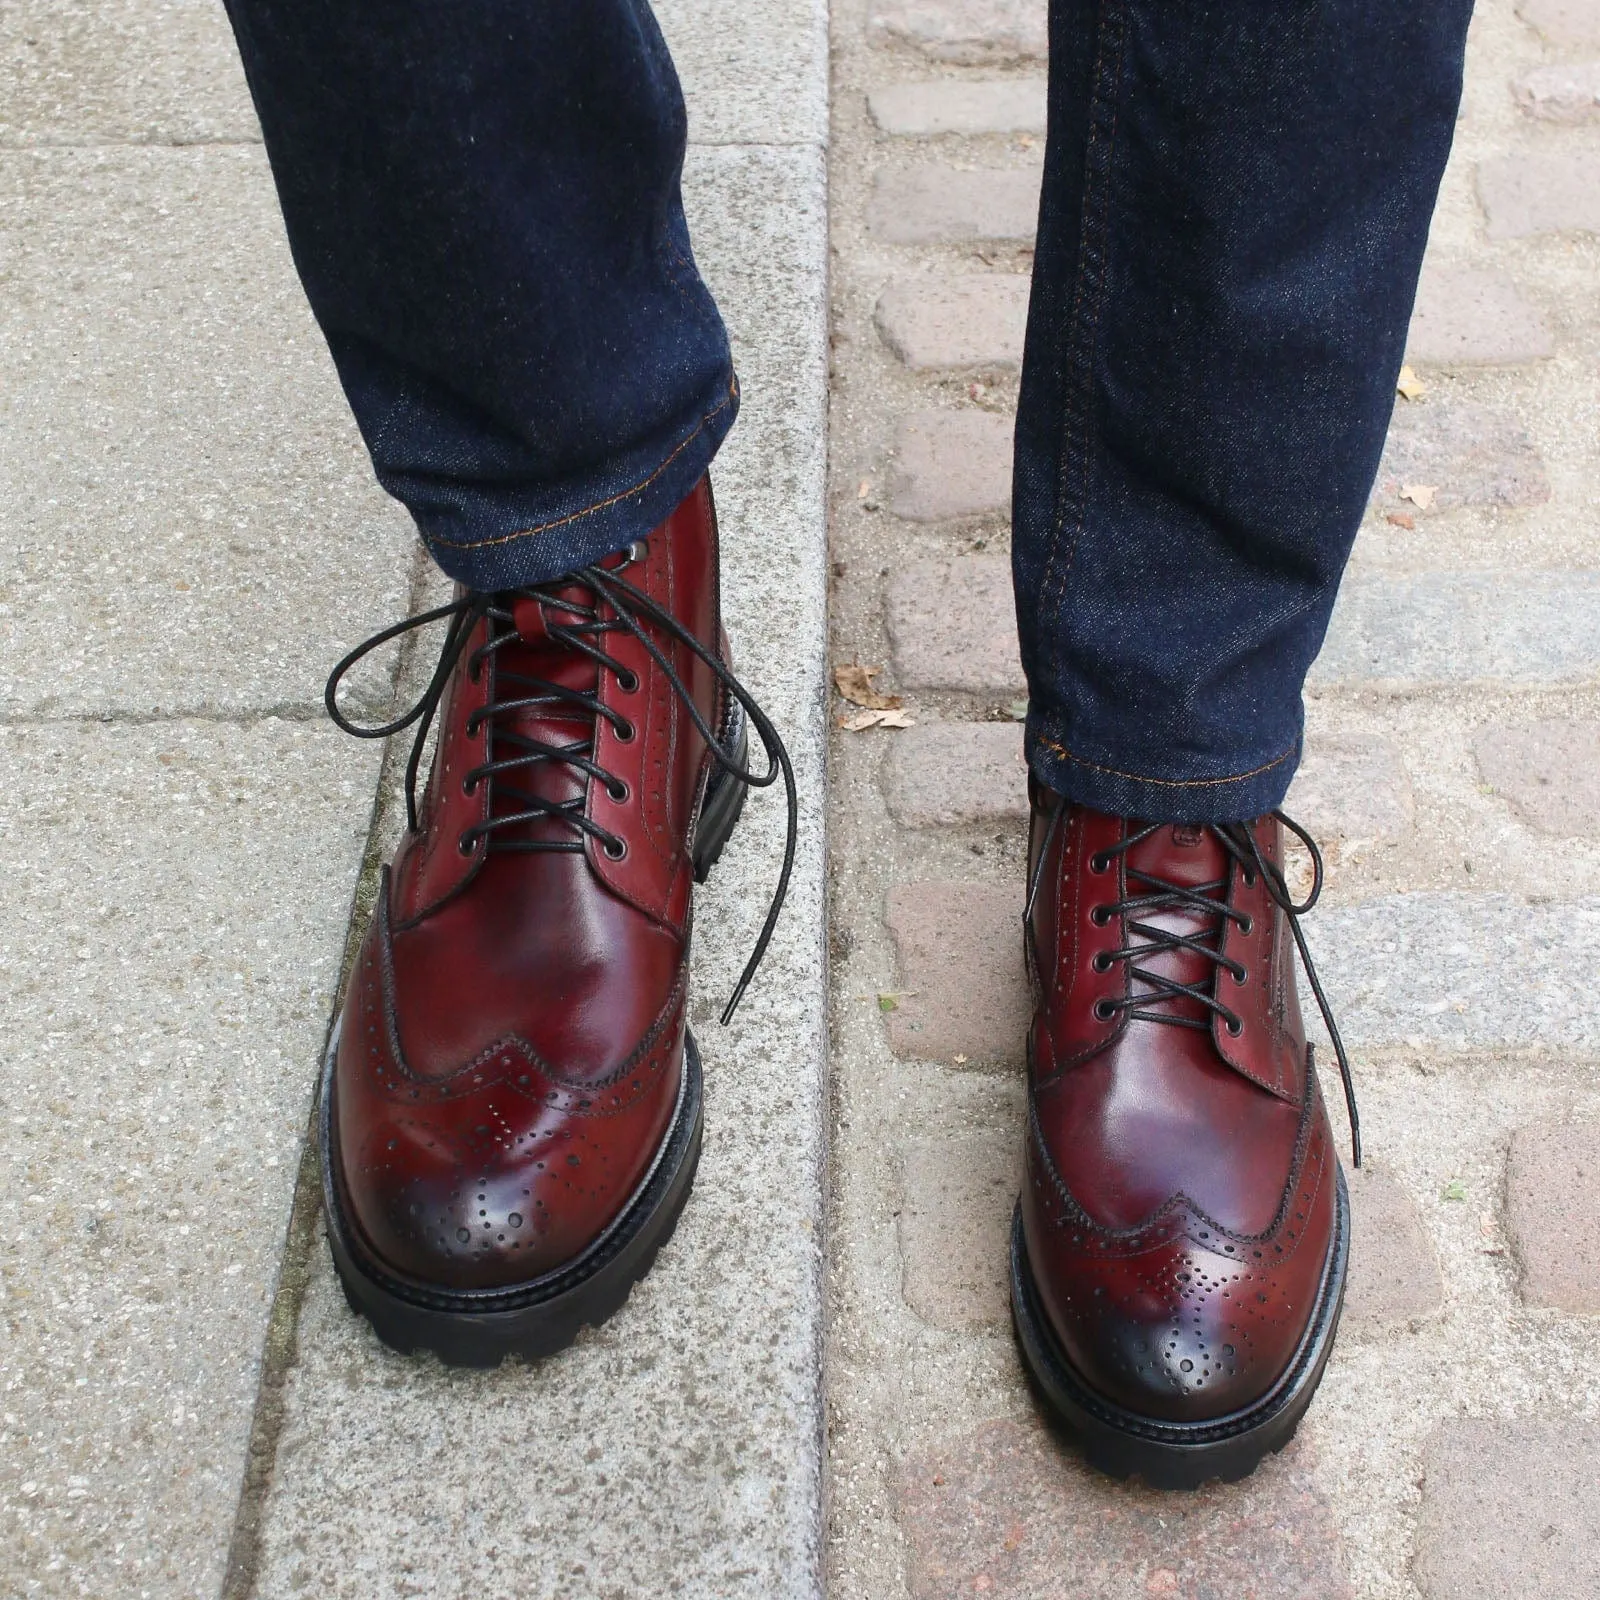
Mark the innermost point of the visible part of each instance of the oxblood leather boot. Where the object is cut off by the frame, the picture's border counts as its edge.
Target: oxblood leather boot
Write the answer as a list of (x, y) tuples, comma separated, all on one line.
[(1178, 1255), (511, 1112)]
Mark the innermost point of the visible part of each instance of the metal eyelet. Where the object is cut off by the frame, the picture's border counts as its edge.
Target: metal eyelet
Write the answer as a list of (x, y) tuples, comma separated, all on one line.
[(1100, 915), (617, 853), (1104, 1010), (619, 792), (1246, 924), (1101, 963), (625, 731), (628, 682), (1234, 1026), (1098, 863), (466, 844)]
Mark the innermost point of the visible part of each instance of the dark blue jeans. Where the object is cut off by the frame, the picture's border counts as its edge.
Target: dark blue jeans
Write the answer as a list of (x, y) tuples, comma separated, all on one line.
[(482, 197)]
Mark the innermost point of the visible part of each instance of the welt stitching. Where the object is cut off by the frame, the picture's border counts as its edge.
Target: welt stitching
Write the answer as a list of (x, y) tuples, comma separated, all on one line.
[(599, 505)]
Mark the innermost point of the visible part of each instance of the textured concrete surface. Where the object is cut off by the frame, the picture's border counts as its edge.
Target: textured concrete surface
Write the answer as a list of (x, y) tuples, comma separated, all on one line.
[(191, 519), (676, 1449), (174, 905), (190, 527), (121, 71)]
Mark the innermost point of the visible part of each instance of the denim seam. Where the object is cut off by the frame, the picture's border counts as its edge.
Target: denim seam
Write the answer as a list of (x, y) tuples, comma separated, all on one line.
[(1080, 336), (599, 505), (1168, 783)]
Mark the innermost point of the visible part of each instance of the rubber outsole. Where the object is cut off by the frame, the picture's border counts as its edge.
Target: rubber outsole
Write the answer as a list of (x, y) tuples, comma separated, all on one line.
[(480, 1328), (1178, 1455)]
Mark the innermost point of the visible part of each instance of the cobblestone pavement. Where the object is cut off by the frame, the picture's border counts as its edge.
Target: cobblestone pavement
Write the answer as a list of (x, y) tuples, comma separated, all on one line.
[(1453, 747)]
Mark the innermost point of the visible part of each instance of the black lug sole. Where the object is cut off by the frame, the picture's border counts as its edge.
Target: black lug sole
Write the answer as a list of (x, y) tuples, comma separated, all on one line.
[(480, 1328), (1177, 1455)]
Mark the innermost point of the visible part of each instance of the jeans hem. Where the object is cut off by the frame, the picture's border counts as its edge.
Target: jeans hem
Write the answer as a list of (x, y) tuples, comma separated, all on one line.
[(516, 545), (1102, 787)]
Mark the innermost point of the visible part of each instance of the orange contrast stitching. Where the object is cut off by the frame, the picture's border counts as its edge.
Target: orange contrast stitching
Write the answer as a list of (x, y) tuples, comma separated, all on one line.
[(599, 505), (1167, 783)]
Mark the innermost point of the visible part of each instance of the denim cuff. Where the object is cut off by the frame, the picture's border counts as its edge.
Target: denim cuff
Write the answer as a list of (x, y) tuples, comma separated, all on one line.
[(494, 536), (1106, 786)]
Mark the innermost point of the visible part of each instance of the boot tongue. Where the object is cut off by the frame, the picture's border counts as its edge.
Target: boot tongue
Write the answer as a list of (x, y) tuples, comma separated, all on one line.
[(527, 664), (1190, 855)]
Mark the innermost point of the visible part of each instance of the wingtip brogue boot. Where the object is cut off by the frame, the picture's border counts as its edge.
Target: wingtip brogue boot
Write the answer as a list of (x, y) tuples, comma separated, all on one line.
[(511, 1113), (1180, 1245)]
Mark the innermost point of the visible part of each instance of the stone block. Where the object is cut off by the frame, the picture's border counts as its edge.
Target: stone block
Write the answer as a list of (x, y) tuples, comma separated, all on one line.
[(954, 774), (1563, 21), (1473, 455), (955, 1224), (1003, 1511), (951, 464), (952, 625), (1501, 972), (1394, 1273), (1569, 92), (962, 986), (951, 205), (960, 105), (1510, 1508), (1465, 316), (977, 320), (1541, 192), (1515, 627), (968, 32), (173, 905), (1351, 788), (1549, 771), (1553, 1210)]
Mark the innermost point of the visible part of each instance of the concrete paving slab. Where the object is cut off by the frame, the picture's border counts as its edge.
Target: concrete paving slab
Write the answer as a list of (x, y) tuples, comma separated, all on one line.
[(121, 71), (190, 519), (751, 74), (173, 900), (676, 1450), (167, 72)]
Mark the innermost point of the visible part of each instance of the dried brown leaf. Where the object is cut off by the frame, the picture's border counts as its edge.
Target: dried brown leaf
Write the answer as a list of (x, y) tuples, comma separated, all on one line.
[(854, 682)]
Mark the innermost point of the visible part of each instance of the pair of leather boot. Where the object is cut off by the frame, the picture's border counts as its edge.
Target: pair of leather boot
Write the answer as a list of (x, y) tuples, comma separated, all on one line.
[(511, 1110)]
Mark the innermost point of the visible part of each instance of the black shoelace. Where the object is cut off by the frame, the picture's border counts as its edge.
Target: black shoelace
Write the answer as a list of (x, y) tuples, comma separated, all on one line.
[(1208, 900), (583, 628)]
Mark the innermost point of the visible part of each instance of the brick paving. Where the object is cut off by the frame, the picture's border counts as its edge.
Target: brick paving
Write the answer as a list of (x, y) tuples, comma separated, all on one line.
[(1452, 752)]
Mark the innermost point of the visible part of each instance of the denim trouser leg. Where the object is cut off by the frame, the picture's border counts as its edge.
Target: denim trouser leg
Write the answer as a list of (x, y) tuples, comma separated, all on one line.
[(482, 198), (1237, 194)]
